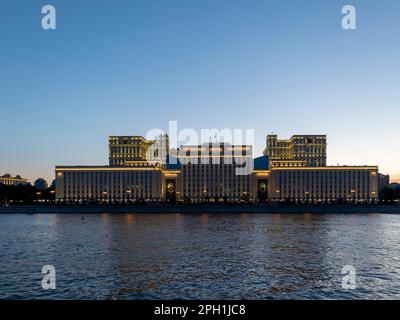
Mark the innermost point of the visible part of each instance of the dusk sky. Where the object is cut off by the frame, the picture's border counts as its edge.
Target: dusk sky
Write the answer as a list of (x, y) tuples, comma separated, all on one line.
[(125, 67)]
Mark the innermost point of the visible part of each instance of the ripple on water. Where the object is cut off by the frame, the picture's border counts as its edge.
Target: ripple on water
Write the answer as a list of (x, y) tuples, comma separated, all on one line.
[(220, 256)]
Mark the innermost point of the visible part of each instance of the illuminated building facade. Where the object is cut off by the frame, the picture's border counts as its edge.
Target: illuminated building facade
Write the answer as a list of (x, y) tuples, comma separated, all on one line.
[(108, 184), (324, 184), (9, 180), (298, 151), (292, 171), (127, 151), (215, 172)]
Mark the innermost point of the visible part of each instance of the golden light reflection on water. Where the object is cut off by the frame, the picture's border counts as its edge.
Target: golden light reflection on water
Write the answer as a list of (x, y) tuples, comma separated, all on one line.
[(129, 218), (204, 219), (178, 218), (244, 219), (105, 217), (276, 216), (307, 216)]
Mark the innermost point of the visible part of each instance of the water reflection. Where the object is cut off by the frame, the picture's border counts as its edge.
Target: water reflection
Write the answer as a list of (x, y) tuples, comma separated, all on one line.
[(221, 256)]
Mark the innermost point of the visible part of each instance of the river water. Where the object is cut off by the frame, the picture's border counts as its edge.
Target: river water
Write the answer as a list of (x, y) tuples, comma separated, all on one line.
[(200, 256)]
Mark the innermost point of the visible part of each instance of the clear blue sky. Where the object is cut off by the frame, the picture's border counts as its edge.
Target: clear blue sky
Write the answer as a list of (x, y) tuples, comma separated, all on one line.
[(124, 67)]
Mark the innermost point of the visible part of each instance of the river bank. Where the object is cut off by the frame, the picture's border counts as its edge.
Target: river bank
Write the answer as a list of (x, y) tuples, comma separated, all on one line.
[(245, 208)]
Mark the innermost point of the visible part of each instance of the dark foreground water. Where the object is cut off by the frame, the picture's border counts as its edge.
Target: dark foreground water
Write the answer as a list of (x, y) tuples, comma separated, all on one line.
[(209, 256)]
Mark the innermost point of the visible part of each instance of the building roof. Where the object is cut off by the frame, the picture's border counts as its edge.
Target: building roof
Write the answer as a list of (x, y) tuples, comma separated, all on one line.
[(9, 176), (261, 163)]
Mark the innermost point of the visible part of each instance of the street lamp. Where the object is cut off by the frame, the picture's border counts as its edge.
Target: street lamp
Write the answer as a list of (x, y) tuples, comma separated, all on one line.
[(105, 195), (5, 200), (129, 192), (352, 195), (38, 194), (279, 193)]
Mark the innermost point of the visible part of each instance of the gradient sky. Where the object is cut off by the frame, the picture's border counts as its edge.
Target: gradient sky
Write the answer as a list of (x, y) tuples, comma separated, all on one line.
[(124, 67)]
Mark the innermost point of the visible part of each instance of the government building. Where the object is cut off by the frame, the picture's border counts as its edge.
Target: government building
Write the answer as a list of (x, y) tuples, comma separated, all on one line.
[(147, 171)]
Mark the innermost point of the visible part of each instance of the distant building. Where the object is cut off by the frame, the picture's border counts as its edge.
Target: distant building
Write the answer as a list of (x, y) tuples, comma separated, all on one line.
[(40, 184), (394, 185), (298, 151), (383, 181), (9, 180), (294, 170)]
